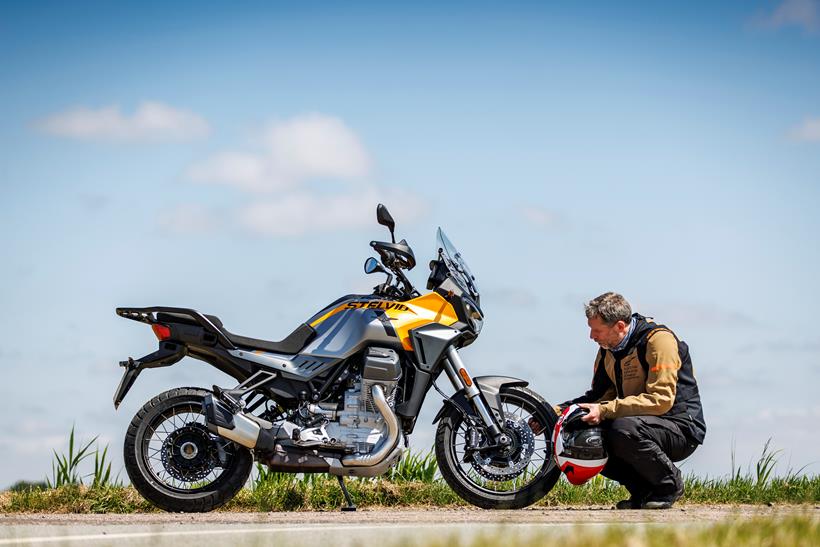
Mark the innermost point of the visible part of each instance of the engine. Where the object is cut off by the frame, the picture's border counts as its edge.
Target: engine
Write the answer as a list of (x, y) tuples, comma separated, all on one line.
[(359, 426)]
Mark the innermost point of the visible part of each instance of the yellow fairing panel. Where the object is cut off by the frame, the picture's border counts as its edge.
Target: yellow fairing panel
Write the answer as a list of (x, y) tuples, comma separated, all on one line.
[(404, 316), (429, 308)]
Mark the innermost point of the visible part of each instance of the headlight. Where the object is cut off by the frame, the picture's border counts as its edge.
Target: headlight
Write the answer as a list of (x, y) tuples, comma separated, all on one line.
[(474, 315)]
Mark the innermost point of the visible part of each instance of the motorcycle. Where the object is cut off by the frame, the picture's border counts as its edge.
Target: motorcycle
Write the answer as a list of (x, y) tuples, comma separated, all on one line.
[(339, 395)]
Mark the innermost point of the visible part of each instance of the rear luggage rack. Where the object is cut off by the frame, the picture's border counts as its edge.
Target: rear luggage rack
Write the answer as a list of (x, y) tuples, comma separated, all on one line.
[(146, 315)]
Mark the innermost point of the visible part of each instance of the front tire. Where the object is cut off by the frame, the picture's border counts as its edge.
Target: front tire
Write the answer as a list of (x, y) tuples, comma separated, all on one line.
[(175, 462), (521, 483)]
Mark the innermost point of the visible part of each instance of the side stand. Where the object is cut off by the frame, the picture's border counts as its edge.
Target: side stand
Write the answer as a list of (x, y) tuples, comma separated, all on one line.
[(349, 506)]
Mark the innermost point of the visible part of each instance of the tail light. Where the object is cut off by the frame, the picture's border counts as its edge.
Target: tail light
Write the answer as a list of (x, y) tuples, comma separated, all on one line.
[(162, 332)]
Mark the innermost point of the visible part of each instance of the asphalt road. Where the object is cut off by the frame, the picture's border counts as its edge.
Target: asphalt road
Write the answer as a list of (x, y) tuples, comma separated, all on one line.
[(365, 527)]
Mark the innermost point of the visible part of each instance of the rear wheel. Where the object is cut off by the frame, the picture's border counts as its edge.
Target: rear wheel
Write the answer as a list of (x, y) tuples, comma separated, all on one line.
[(514, 477), (175, 462)]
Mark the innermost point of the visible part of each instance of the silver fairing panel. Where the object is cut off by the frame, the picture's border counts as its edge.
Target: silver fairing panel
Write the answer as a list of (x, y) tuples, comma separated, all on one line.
[(350, 331), (301, 366), (338, 337)]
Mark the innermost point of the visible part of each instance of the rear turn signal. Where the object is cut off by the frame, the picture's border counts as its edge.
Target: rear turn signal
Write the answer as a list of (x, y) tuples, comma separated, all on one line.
[(162, 332)]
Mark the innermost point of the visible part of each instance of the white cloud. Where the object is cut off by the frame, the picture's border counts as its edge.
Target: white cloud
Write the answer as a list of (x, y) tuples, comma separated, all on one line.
[(303, 212), (540, 217), (699, 314), (189, 219), (809, 130), (803, 14), (31, 445), (290, 152), (151, 121), (32, 436), (243, 170), (516, 297), (286, 157), (679, 313), (804, 415)]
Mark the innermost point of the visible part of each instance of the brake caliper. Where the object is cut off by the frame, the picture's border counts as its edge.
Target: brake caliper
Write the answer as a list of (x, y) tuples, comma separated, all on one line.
[(503, 464)]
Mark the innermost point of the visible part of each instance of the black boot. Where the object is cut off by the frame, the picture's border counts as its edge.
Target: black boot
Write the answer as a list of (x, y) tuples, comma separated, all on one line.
[(635, 501), (665, 499)]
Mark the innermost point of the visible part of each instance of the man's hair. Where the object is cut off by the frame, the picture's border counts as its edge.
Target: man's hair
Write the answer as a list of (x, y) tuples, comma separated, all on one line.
[(610, 307)]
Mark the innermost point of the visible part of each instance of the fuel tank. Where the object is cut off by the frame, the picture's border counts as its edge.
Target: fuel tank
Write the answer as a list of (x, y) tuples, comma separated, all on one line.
[(356, 321), (351, 324)]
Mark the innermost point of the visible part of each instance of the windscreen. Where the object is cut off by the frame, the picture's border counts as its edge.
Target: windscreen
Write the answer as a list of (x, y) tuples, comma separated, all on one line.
[(456, 264)]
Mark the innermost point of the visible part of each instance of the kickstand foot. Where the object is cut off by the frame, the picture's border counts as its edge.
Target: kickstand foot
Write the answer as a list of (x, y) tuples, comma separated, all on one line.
[(349, 506)]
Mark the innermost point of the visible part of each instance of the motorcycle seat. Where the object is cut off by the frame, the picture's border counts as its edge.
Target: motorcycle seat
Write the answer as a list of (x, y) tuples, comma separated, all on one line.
[(291, 344)]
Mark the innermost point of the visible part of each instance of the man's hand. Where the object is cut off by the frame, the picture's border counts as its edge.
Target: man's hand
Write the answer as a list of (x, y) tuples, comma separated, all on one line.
[(594, 416)]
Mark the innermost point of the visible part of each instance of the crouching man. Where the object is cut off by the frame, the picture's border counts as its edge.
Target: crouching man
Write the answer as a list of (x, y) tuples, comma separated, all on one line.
[(645, 397)]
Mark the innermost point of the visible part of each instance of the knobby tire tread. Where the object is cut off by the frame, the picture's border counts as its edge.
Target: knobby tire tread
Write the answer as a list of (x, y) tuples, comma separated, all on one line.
[(200, 502), (485, 500)]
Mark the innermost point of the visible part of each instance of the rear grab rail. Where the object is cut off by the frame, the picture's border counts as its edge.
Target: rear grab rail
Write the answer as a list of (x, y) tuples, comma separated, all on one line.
[(146, 315)]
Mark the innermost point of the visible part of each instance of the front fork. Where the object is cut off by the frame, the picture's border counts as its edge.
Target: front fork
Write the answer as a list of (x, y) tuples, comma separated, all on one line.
[(461, 380)]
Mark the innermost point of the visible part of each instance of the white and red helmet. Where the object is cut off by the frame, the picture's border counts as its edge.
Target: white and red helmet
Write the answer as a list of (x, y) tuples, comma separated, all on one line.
[(578, 447)]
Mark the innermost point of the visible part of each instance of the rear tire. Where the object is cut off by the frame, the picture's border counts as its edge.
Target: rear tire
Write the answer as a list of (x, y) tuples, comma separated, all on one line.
[(467, 483), (170, 480)]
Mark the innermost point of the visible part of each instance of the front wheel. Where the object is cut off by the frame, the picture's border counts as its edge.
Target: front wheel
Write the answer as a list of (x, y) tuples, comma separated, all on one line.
[(510, 478), (175, 462)]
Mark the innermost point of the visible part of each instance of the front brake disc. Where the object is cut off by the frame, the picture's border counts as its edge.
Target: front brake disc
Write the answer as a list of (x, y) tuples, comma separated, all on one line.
[(509, 463)]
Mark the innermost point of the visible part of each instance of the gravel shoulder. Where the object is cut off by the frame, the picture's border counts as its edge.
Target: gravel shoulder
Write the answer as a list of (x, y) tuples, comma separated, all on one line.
[(552, 515)]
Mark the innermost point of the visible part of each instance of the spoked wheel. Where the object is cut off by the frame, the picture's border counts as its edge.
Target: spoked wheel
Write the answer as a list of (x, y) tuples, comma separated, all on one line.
[(509, 478), (175, 462)]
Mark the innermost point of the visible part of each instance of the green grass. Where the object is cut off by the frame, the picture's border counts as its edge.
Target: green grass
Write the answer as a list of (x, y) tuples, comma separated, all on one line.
[(65, 466), (744, 489), (321, 493), (415, 467), (414, 482), (793, 531), (75, 499)]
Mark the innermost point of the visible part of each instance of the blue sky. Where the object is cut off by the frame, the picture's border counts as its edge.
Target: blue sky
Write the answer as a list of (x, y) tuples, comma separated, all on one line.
[(230, 157)]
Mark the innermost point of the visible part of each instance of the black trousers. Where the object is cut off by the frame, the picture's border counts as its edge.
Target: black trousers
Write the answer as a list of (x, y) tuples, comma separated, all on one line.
[(641, 450)]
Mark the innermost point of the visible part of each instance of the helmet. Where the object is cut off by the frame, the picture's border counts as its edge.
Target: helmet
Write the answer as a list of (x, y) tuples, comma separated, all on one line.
[(578, 447)]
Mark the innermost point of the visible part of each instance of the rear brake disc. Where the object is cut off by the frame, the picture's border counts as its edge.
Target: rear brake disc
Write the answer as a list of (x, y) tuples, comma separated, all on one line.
[(188, 453)]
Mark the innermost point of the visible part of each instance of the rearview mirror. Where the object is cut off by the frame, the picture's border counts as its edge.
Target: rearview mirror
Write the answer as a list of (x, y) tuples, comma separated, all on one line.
[(383, 217), (372, 265)]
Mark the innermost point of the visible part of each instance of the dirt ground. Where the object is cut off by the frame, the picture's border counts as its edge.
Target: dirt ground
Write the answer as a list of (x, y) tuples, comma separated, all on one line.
[(558, 515)]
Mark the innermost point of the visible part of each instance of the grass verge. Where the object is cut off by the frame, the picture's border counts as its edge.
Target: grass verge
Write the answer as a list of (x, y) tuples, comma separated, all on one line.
[(793, 531), (319, 493)]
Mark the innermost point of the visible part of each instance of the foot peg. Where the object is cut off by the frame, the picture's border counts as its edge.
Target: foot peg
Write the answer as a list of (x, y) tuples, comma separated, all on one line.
[(130, 364)]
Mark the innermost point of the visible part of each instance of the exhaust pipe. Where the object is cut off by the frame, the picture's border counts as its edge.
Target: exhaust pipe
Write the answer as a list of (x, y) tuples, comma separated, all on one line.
[(390, 440), (247, 432), (238, 427)]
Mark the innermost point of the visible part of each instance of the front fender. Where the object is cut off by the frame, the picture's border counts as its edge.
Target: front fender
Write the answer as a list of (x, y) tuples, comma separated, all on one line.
[(490, 388)]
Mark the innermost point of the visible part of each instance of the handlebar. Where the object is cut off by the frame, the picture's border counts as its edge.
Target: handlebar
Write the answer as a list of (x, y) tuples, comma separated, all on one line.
[(396, 257)]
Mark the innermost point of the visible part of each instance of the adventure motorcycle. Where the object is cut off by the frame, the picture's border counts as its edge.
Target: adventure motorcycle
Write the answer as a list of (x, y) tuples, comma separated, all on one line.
[(339, 395)]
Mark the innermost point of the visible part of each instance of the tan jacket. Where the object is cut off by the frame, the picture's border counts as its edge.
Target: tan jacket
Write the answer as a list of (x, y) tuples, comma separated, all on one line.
[(650, 393), (652, 375)]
